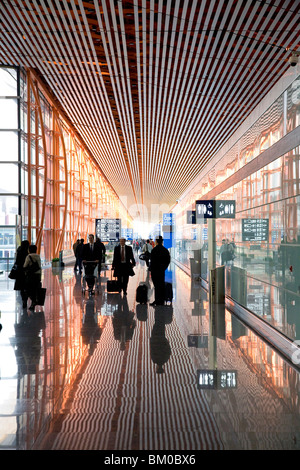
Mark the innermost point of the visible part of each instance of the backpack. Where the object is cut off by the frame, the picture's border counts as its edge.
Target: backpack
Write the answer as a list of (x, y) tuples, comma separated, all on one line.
[(33, 267)]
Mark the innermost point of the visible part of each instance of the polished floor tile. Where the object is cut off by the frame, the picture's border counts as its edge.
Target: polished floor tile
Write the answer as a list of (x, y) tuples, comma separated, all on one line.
[(104, 373)]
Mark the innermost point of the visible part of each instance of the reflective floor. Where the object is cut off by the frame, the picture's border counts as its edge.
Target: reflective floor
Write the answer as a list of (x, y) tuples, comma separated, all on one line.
[(105, 373)]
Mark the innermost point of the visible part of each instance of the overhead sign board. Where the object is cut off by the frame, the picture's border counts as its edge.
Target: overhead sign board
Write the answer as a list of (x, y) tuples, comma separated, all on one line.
[(191, 217), (205, 209), (127, 233), (167, 229), (108, 230), (255, 230), (168, 219), (211, 209), (225, 209)]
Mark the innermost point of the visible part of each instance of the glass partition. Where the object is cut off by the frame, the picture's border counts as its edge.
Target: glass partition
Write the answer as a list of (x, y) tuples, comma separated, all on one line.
[(9, 146), (260, 247), (7, 247), (8, 81), (9, 178), (47, 176)]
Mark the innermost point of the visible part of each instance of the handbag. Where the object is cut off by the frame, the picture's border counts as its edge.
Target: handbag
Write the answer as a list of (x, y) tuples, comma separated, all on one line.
[(144, 256), (41, 295), (33, 267), (131, 271), (14, 272)]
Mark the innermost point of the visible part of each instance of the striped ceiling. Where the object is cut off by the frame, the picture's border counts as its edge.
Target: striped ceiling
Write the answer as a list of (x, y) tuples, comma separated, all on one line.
[(153, 87)]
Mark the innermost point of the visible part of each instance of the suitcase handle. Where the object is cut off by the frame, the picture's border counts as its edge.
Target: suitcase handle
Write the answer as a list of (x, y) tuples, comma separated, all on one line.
[(111, 276)]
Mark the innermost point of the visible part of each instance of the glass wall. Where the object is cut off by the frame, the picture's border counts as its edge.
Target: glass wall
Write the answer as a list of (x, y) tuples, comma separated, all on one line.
[(9, 163), (260, 247), (47, 177)]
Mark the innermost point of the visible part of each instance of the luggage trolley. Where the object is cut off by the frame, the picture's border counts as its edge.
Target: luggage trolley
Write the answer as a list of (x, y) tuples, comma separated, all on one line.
[(90, 281)]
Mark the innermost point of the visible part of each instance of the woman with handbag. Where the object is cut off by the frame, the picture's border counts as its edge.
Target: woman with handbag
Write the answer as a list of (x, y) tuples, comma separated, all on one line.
[(21, 254), (147, 248), (33, 275)]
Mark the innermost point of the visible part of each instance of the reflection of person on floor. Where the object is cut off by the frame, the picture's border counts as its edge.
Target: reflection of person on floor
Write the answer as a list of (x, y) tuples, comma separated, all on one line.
[(77, 292), (90, 330), (28, 341), (123, 323), (160, 349)]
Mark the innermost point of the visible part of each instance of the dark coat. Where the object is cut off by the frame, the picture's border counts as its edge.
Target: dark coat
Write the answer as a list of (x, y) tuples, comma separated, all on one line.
[(159, 259), (91, 255), (79, 250), (20, 260), (102, 249), (130, 261)]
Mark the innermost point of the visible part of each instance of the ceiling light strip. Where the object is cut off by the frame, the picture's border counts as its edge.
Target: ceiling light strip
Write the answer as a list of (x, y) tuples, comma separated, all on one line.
[(131, 117), (169, 118), (82, 100), (111, 73), (125, 98), (162, 111), (98, 79), (119, 102), (139, 79), (178, 97), (153, 74), (183, 109), (88, 91)]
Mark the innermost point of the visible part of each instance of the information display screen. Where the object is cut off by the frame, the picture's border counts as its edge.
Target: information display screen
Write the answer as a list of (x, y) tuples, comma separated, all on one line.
[(108, 230), (255, 230)]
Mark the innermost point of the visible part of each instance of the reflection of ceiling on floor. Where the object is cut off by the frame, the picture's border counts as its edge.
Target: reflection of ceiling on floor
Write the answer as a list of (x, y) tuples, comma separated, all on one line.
[(153, 87)]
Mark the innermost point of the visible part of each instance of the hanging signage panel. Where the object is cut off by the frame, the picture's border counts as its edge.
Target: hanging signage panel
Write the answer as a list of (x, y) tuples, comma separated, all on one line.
[(205, 209), (225, 209), (168, 220), (211, 209), (191, 217), (127, 233)]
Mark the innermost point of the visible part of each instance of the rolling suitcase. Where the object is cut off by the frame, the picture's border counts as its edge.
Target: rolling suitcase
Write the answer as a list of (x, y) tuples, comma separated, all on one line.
[(113, 286), (142, 293), (168, 292)]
